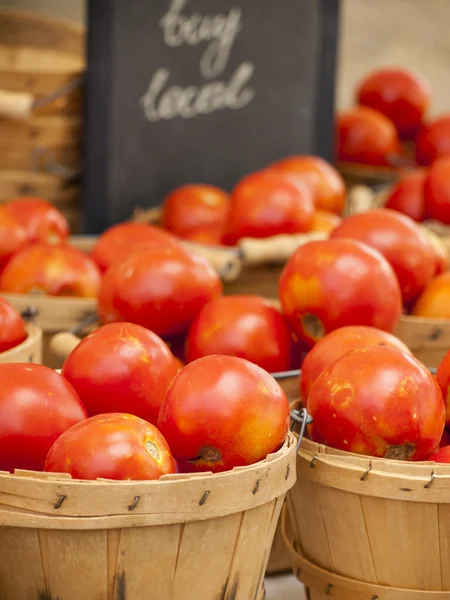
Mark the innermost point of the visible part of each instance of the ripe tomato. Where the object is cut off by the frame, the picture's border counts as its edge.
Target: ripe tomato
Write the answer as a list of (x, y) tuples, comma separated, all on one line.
[(111, 446), (209, 237), (366, 136), (443, 380), (437, 190), (401, 241), (325, 181), (407, 196), (400, 94), (328, 284), (244, 326), (43, 222), (325, 221), (52, 270), (442, 455), (117, 242), (433, 141), (193, 207), (268, 203), (162, 289), (434, 301), (222, 412), (36, 406), (336, 344), (13, 236), (377, 401), (12, 327), (121, 367)]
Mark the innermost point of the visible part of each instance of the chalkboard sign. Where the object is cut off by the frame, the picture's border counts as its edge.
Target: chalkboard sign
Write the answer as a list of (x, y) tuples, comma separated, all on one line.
[(201, 91)]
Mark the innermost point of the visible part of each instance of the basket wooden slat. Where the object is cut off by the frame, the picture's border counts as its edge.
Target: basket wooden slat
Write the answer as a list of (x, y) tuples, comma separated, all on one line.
[(44, 185), (371, 520), (28, 351), (47, 131), (170, 546)]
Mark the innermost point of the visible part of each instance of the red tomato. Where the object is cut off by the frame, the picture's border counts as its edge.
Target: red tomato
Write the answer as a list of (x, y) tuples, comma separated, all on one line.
[(325, 221), (434, 302), (407, 196), (325, 181), (336, 344), (445, 439), (244, 326), (43, 222), (400, 94), (433, 141), (210, 237), (442, 455), (443, 380), (12, 327), (366, 136), (111, 446), (161, 289), (193, 207), (268, 203), (328, 284), (437, 190), (121, 367), (222, 412), (13, 236), (401, 241), (117, 242), (36, 406), (52, 270), (377, 401)]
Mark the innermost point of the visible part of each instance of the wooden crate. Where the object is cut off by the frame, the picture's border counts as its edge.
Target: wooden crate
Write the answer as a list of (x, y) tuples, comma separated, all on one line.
[(184, 537), (383, 523)]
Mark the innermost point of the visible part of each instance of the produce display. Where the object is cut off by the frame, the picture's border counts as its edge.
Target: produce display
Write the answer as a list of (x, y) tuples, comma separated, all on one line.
[(12, 327), (41, 220)]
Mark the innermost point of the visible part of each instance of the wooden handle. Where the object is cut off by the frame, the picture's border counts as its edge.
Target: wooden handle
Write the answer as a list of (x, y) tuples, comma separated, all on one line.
[(227, 262), (277, 248), (63, 343), (15, 104), (147, 215)]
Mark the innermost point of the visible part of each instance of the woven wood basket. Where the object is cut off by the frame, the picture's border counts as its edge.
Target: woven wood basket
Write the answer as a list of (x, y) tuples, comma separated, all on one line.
[(28, 351), (39, 57), (185, 537), (380, 522)]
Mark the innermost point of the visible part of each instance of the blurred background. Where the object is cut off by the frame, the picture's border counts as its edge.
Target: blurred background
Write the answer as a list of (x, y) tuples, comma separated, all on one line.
[(409, 33)]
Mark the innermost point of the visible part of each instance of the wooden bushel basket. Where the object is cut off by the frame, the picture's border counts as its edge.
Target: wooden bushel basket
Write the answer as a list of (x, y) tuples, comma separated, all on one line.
[(28, 351), (380, 523), (185, 537)]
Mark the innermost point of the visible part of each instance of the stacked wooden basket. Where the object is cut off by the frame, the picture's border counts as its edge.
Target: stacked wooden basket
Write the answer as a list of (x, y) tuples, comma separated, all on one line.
[(41, 60)]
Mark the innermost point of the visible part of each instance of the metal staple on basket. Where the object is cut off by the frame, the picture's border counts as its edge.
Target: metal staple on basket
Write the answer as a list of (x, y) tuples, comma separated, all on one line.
[(433, 477)]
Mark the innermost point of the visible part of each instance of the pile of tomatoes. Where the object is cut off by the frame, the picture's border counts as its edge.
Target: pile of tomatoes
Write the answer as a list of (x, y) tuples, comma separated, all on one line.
[(392, 106)]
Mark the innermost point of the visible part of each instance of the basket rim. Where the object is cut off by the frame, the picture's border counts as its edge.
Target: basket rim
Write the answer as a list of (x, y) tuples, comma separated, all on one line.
[(34, 334), (50, 500)]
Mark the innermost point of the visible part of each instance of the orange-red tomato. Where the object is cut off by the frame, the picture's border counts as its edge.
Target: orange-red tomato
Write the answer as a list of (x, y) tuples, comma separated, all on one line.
[(269, 203), (443, 380), (222, 412), (210, 237), (161, 289), (36, 406), (400, 94), (111, 446), (13, 236), (195, 207), (336, 344), (325, 221), (121, 367), (366, 136), (12, 327), (433, 140), (437, 190), (244, 326), (325, 181), (377, 401), (117, 242), (434, 301), (52, 270), (43, 222), (332, 283), (401, 241), (407, 196), (442, 455)]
